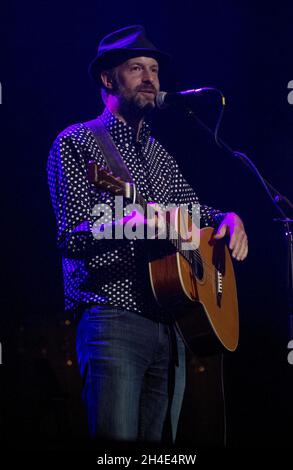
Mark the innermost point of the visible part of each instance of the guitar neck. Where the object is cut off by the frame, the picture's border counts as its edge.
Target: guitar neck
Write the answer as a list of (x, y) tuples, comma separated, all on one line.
[(176, 241), (103, 179)]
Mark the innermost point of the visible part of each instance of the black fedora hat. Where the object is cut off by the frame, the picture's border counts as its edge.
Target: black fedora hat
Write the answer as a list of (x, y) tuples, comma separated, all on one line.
[(121, 45)]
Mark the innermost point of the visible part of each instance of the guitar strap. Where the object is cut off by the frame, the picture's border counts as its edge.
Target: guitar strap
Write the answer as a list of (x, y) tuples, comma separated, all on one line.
[(109, 150), (117, 166)]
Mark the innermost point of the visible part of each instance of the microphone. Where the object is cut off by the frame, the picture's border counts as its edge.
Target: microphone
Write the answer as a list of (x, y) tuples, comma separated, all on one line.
[(164, 99)]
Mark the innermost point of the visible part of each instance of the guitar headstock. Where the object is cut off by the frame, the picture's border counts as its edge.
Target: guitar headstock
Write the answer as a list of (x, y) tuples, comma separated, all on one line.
[(104, 179)]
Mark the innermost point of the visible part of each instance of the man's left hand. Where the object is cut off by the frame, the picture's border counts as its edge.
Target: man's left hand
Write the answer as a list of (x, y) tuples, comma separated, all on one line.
[(233, 226)]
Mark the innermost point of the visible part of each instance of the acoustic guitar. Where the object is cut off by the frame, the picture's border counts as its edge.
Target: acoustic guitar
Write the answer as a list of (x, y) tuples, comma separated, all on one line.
[(196, 286)]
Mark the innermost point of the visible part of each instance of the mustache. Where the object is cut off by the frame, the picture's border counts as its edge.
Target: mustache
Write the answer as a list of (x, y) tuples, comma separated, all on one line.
[(147, 88)]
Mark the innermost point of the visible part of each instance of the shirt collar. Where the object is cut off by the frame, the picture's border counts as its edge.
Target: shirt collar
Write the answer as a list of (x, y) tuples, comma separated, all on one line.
[(122, 132)]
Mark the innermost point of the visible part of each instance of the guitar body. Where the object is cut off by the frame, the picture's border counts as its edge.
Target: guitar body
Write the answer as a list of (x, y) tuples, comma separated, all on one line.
[(197, 286), (203, 301)]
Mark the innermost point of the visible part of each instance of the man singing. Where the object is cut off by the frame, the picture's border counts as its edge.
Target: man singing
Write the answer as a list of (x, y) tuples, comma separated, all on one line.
[(128, 347)]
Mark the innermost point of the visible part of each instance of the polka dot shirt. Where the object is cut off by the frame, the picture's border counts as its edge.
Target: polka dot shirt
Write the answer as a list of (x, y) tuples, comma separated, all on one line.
[(110, 272)]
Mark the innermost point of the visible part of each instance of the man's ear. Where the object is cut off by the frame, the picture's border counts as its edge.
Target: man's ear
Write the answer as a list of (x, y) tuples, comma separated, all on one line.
[(107, 80)]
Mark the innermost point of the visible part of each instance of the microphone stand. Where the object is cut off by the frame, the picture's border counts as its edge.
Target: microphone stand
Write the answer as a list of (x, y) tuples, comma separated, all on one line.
[(276, 197)]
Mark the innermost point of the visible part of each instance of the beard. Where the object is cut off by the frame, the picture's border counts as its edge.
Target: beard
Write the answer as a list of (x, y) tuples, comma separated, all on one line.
[(136, 105)]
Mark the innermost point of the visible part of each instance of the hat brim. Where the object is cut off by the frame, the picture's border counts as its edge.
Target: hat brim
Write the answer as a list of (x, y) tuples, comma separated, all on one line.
[(118, 56)]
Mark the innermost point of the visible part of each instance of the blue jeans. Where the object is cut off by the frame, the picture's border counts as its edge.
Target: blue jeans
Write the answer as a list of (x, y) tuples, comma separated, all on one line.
[(133, 380)]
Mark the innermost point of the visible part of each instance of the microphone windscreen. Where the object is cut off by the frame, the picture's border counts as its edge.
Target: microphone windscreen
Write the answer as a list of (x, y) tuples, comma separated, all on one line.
[(160, 99)]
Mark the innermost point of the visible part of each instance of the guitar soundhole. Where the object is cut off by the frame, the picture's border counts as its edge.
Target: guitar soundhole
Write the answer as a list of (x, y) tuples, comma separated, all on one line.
[(197, 265)]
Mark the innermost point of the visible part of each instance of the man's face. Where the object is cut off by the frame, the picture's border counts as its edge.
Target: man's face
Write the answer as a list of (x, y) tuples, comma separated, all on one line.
[(138, 83)]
